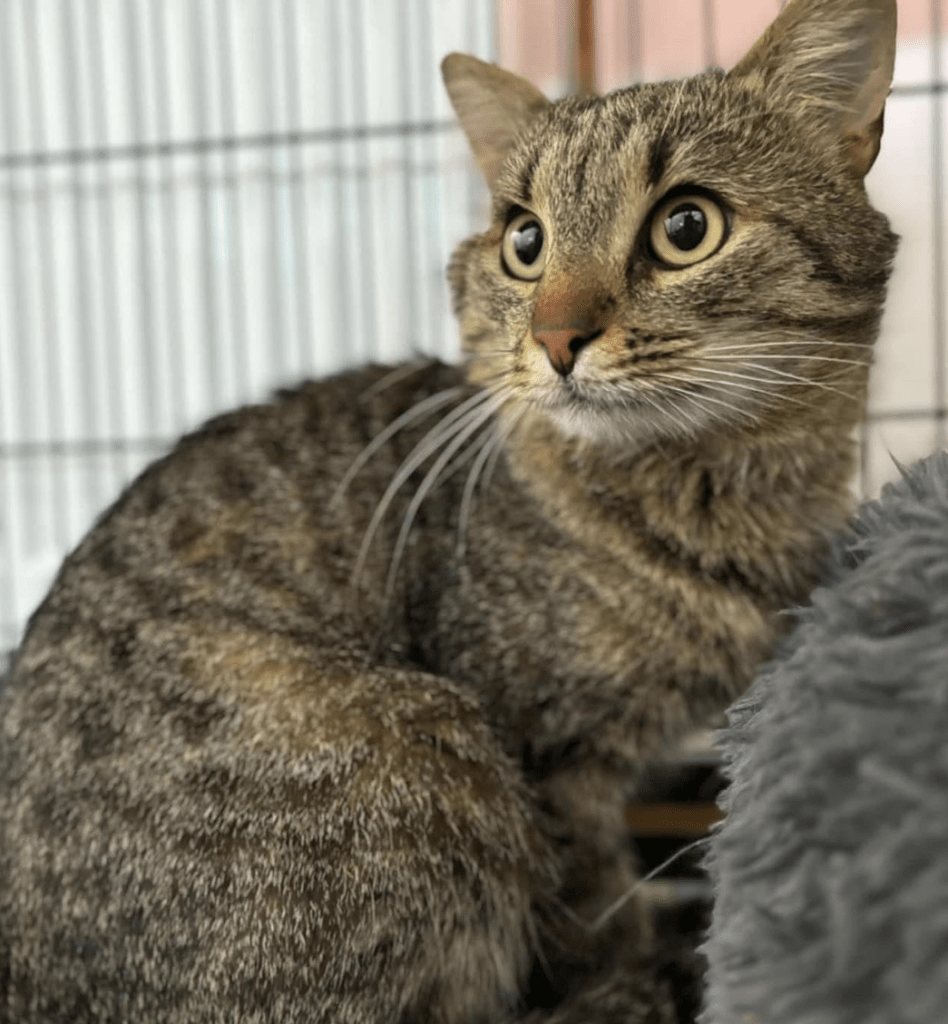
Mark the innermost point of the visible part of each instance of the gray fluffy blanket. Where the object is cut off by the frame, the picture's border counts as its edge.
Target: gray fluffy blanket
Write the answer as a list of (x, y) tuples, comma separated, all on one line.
[(831, 869)]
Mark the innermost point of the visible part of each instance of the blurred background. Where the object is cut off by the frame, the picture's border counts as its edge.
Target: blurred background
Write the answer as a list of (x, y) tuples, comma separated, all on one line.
[(201, 200)]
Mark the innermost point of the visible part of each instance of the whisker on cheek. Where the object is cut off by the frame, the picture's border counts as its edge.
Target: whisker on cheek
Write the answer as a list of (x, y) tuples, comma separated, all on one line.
[(419, 411), (452, 424), (472, 422)]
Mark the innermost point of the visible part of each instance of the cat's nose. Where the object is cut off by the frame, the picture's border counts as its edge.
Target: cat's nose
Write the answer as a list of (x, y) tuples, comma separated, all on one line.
[(563, 345)]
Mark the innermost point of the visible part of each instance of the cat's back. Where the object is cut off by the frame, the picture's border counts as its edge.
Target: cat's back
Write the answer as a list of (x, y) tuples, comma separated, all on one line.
[(246, 513), (218, 576)]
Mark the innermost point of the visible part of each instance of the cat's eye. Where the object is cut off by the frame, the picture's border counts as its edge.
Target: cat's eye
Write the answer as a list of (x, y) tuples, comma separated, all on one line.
[(524, 247), (687, 228)]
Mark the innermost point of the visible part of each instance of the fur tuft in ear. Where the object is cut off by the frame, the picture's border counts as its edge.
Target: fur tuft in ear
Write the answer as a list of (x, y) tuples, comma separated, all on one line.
[(494, 107), (832, 59)]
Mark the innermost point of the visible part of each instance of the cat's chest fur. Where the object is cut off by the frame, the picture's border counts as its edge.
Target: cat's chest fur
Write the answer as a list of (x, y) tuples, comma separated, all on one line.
[(581, 622)]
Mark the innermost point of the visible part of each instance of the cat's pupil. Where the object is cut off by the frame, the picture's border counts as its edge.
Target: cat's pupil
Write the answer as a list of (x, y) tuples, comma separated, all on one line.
[(686, 226), (528, 242)]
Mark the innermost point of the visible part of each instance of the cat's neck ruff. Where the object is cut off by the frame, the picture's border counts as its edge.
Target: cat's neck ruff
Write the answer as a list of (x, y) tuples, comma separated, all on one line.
[(717, 502)]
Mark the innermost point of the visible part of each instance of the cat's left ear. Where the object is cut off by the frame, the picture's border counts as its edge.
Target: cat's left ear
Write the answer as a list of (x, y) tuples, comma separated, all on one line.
[(494, 107), (833, 61)]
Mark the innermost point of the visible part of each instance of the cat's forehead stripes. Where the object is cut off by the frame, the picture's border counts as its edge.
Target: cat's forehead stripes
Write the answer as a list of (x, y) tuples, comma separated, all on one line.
[(572, 177), (572, 133), (524, 190), (659, 153), (568, 166)]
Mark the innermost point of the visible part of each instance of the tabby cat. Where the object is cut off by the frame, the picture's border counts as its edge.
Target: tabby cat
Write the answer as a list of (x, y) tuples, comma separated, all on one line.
[(332, 715)]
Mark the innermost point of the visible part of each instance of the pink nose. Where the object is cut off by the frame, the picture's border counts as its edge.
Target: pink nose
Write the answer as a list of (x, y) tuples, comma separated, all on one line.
[(563, 345)]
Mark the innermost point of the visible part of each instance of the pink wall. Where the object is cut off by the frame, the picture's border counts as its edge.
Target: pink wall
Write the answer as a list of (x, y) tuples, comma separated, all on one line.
[(651, 39)]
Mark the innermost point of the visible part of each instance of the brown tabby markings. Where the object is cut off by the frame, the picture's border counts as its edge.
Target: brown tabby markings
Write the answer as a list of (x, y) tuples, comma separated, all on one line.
[(333, 715)]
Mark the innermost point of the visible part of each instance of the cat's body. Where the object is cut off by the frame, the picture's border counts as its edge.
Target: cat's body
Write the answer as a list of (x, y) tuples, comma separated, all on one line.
[(234, 786)]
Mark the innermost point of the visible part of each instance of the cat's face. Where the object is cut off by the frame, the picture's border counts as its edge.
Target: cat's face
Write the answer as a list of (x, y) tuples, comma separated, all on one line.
[(676, 258)]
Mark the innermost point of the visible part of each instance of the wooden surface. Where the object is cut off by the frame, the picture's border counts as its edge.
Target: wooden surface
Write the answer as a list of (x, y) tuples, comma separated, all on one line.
[(672, 819), (585, 47)]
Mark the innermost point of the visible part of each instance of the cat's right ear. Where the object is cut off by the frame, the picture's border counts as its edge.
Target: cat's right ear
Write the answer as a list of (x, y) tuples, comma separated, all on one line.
[(494, 107)]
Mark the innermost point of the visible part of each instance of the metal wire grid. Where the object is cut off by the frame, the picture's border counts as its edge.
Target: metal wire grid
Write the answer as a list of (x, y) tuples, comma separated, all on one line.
[(199, 201), (908, 420)]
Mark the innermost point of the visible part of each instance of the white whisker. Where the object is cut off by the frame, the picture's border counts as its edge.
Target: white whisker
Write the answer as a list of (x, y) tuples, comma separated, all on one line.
[(487, 457), (442, 432), (692, 431), (603, 919), (499, 448), (474, 420), (702, 398), (491, 442), (810, 338), (484, 353), (743, 380), (797, 379), (683, 400), (789, 357), (393, 377), (416, 412), (788, 340)]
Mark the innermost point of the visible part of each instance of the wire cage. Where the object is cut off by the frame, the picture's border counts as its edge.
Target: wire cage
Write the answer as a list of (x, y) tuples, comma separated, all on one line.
[(198, 202), (202, 200)]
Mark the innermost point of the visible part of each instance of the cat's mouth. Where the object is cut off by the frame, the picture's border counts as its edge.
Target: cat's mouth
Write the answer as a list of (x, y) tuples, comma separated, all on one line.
[(593, 396), (597, 411), (613, 413)]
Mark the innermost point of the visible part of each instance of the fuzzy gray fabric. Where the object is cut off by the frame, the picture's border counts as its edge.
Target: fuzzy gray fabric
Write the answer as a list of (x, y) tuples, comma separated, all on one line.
[(831, 869)]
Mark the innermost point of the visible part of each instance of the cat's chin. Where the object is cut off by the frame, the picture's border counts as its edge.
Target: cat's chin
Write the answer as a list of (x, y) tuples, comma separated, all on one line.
[(605, 416), (631, 423)]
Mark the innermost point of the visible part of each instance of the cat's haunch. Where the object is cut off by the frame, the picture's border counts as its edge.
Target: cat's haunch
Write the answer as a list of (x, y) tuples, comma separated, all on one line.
[(332, 716)]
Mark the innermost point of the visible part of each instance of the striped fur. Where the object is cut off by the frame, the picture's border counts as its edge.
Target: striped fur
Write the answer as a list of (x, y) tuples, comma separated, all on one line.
[(333, 715)]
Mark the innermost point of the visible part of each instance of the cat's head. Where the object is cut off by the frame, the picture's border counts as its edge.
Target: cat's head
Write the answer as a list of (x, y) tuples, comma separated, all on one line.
[(684, 257)]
